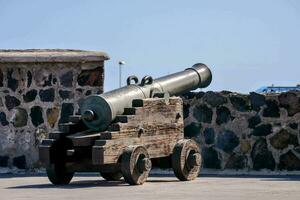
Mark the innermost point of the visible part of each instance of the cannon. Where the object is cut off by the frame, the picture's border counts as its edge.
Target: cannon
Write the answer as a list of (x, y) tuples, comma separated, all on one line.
[(127, 131)]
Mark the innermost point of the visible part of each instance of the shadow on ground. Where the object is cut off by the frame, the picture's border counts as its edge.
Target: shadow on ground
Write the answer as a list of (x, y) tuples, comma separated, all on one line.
[(103, 183)]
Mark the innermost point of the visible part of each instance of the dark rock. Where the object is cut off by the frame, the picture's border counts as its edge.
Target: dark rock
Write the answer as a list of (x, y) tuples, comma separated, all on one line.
[(297, 149), (87, 93), (64, 94), (93, 77), (283, 139), (11, 102), (20, 162), (203, 113), (52, 116), (199, 95), (211, 158), (289, 161), (12, 83), (47, 95), (209, 135), (29, 79), (262, 130), (54, 81), (293, 126), (257, 100), (227, 141), (189, 95), (30, 96), (253, 121), (262, 158), (67, 109), (66, 79), (1, 102), (3, 120), (225, 92), (240, 103), (36, 115), (4, 161), (186, 110), (223, 115), (1, 78), (291, 102), (48, 81), (214, 99), (272, 109), (192, 130), (236, 161), (20, 117)]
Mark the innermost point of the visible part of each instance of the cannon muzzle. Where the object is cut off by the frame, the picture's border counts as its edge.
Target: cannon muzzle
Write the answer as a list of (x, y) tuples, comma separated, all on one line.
[(98, 111)]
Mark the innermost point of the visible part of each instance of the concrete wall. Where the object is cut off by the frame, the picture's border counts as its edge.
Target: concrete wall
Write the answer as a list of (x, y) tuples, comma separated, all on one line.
[(245, 132), (38, 90)]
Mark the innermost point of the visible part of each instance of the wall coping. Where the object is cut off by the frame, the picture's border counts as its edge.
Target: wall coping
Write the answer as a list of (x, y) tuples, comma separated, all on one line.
[(50, 56)]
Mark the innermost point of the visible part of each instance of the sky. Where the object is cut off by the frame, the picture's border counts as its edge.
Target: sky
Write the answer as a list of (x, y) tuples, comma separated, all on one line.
[(247, 44)]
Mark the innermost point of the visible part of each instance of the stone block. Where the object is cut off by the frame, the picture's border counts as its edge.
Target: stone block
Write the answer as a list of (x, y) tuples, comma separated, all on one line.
[(192, 130), (36, 114), (47, 95), (19, 117), (227, 141), (262, 130), (223, 115), (240, 103), (20, 162), (93, 77), (214, 99), (262, 158), (52, 116), (209, 135), (203, 113), (272, 109), (289, 161), (237, 162), (291, 102), (282, 139), (211, 158), (257, 101), (30, 96), (11, 102)]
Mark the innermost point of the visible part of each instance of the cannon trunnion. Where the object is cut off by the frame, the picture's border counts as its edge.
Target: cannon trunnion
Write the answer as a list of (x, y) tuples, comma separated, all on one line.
[(147, 133)]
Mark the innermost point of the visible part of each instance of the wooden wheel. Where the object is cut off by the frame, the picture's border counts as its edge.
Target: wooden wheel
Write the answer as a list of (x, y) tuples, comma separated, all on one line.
[(58, 174), (111, 176), (135, 165), (186, 160)]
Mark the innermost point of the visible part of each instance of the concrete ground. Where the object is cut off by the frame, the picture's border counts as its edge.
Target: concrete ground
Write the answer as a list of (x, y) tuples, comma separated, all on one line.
[(90, 186)]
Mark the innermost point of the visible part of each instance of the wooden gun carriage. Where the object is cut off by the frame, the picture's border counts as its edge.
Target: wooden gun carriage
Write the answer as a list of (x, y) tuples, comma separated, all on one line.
[(146, 133)]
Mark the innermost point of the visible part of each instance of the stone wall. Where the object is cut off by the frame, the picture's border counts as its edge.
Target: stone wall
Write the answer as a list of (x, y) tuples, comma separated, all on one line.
[(37, 93), (245, 132)]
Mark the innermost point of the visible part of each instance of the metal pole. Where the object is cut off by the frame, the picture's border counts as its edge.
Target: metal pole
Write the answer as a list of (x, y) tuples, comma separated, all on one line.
[(120, 74)]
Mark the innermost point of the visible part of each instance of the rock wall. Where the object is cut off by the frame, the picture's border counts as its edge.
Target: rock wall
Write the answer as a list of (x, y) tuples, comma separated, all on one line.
[(245, 132), (36, 96)]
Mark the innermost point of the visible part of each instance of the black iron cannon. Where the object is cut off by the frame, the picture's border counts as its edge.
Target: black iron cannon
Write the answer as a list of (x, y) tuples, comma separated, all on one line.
[(126, 131)]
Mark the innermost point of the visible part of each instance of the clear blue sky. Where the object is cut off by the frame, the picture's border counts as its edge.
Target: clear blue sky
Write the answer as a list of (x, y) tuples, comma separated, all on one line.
[(247, 44)]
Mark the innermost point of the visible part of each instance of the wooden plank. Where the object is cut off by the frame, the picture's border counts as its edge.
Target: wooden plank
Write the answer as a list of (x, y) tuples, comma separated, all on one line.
[(109, 151)]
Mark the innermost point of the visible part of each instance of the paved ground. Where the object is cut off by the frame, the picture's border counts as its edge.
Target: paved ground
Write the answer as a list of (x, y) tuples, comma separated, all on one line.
[(89, 186)]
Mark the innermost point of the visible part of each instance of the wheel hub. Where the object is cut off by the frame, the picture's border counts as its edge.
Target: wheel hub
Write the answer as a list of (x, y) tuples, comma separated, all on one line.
[(144, 165), (194, 159)]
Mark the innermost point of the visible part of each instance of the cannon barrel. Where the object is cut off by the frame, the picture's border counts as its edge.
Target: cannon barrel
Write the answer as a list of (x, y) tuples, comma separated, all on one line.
[(98, 111)]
